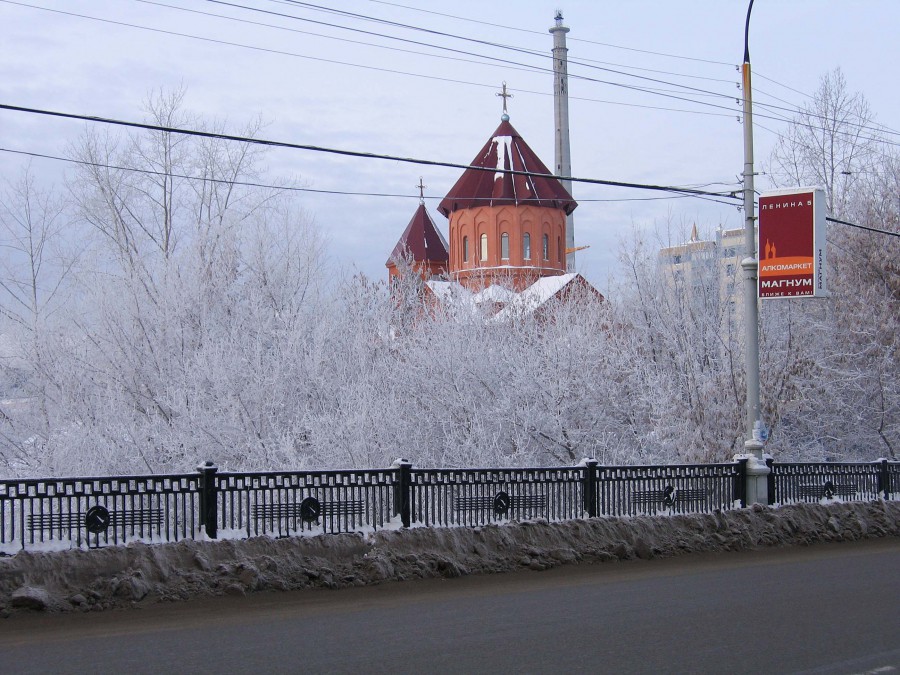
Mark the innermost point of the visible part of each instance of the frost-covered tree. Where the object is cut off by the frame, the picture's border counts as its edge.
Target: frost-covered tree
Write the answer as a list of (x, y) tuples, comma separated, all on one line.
[(193, 287), (832, 142), (845, 403), (678, 347), (200, 320), (37, 258)]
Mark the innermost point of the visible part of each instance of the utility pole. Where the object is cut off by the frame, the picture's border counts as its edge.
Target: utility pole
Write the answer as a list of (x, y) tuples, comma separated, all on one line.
[(561, 120), (756, 470)]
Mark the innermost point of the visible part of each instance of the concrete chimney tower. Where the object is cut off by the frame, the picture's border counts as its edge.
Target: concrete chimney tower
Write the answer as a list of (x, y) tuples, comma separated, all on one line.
[(561, 120)]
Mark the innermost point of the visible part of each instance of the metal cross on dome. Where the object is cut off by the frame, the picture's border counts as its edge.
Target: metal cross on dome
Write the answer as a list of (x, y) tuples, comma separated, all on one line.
[(505, 94), (421, 187)]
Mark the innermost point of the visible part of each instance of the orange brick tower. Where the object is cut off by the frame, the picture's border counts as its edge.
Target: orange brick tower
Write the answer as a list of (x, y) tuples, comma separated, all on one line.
[(507, 215)]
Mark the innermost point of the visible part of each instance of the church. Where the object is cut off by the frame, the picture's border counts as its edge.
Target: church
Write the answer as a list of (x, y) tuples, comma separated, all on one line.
[(507, 233)]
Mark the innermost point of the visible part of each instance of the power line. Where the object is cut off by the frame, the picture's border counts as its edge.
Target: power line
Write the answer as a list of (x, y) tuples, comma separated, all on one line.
[(458, 18), (530, 52), (327, 37), (371, 44), (521, 67), (366, 67), (528, 67), (394, 37), (276, 51), (647, 51), (573, 39), (252, 47), (820, 128), (757, 125), (876, 127), (863, 227), (294, 188), (693, 90), (730, 110), (696, 90), (367, 155), (586, 61), (205, 179), (756, 73), (387, 22), (793, 109), (757, 90), (813, 127), (800, 111), (628, 105)]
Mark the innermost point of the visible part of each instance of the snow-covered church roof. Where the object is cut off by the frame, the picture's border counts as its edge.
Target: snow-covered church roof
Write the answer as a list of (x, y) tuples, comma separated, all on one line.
[(454, 295), (535, 296), (496, 294), (493, 185), (422, 239)]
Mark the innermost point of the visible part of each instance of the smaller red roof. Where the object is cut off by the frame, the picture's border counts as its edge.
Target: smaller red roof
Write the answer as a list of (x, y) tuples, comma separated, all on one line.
[(492, 185), (422, 239)]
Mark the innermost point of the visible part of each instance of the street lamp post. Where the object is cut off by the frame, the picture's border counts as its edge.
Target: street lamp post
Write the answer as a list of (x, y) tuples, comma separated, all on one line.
[(757, 470)]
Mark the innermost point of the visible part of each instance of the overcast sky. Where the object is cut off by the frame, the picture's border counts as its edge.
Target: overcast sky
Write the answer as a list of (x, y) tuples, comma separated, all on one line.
[(329, 79)]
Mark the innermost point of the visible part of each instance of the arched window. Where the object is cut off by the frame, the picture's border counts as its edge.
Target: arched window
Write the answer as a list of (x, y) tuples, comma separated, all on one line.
[(559, 250), (526, 246), (465, 249), (484, 247), (504, 246), (546, 247)]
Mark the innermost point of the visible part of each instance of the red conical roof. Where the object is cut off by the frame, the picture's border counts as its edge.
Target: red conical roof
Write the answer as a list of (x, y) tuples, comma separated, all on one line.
[(506, 150), (422, 239)]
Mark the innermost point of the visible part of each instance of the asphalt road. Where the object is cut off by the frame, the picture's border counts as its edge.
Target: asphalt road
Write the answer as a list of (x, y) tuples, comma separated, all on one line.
[(825, 609)]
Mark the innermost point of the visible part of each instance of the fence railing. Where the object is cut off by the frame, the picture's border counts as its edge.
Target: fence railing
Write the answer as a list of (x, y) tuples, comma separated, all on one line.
[(696, 488), (469, 497), (852, 481), (289, 503), (101, 511), (98, 511)]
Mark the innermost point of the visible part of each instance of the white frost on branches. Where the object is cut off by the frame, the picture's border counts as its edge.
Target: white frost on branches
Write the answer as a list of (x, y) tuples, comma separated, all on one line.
[(150, 322)]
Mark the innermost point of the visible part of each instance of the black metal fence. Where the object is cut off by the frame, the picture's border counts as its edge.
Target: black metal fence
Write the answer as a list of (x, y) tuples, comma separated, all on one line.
[(470, 497), (101, 511), (694, 488), (290, 503), (790, 483)]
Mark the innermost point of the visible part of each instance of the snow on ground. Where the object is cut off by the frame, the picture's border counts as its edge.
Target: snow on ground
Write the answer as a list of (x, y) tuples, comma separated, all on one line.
[(140, 573)]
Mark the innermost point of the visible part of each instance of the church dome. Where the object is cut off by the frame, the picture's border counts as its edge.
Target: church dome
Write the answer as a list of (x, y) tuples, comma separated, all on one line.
[(491, 184)]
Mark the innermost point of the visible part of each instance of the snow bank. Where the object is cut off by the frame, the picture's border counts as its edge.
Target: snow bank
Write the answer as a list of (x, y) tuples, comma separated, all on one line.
[(140, 573)]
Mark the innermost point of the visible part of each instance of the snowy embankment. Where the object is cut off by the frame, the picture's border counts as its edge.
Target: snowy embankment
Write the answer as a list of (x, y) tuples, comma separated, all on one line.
[(139, 573)]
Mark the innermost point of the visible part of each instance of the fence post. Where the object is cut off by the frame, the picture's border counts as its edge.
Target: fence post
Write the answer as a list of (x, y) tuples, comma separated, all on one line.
[(884, 478), (403, 490), (770, 461), (209, 504), (740, 481), (589, 487)]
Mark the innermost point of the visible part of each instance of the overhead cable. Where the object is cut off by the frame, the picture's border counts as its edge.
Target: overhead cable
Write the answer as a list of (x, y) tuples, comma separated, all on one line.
[(530, 52), (363, 66), (294, 188), (863, 227), (573, 39), (360, 154)]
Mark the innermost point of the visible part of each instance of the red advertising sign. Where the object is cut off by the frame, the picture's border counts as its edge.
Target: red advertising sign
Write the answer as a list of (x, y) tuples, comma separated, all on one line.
[(792, 244)]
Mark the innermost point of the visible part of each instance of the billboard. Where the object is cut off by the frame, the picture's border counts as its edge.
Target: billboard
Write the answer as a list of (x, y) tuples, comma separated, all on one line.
[(792, 244)]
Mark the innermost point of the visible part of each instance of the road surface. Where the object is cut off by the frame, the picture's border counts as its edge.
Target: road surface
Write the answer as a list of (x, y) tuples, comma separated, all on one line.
[(826, 609)]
